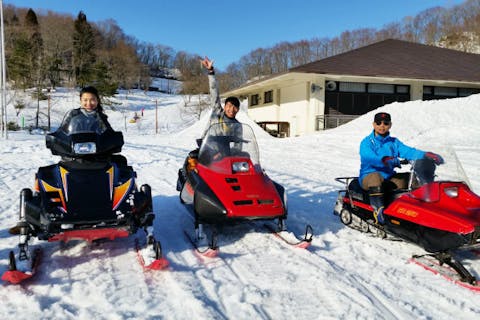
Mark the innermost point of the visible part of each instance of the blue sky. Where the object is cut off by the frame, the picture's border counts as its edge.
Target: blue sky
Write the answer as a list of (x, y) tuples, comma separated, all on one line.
[(226, 30)]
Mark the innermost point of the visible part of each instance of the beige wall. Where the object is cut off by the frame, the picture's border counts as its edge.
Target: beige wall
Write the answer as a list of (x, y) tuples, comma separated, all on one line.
[(290, 104), (294, 108)]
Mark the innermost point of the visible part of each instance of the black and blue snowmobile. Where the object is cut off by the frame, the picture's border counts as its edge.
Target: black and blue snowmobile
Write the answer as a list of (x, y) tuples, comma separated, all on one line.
[(90, 194)]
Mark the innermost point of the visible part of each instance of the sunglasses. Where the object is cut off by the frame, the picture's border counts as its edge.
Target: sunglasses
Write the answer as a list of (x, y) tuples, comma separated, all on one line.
[(387, 123)]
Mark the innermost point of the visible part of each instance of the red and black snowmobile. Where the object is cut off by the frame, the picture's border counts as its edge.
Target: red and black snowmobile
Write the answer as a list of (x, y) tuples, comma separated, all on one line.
[(90, 194), (224, 182), (439, 216)]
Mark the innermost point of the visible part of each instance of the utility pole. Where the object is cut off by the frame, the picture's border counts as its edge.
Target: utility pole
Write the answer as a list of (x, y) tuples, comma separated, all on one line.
[(3, 76), (156, 116)]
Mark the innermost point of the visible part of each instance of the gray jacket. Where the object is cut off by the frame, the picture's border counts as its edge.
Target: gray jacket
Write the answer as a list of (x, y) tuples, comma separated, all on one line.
[(218, 114)]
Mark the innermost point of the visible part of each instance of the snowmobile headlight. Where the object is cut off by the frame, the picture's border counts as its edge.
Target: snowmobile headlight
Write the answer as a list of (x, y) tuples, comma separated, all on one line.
[(85, 148), (240, 166), (452, 192)]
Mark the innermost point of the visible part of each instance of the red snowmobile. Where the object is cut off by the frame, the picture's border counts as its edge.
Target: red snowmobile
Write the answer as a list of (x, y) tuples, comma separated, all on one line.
[(90, 194), (439, 216), (223, 181)]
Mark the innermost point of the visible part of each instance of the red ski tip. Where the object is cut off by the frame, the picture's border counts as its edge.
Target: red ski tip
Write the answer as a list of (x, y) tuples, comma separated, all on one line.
[(208, 253), (303, 244), (158, 264), (15, 276)]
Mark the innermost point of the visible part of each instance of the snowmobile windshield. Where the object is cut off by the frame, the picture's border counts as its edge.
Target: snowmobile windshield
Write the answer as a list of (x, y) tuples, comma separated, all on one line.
[(426, 171), (232, 140), (82, 122)]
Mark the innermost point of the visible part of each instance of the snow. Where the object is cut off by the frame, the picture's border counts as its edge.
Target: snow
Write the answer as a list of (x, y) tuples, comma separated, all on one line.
[(344, 274)]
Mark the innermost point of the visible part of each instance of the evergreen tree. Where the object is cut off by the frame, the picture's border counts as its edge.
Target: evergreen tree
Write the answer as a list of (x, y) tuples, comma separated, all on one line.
[(103, 81), (31, 20), (25, 60), (36, 53), (83, 50), (18, 64), (37, 70)]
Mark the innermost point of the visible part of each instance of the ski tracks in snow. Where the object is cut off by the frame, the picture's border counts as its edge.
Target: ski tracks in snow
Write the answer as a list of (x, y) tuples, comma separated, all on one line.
[(341, 286)]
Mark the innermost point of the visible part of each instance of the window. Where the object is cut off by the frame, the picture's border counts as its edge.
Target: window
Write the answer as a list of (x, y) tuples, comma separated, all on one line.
[(254, 99), (431, 92), (381, 88), (402, 88), (352, 87), (427, 90), (356, 98), (268, 96), (465, 92), (445, 91)]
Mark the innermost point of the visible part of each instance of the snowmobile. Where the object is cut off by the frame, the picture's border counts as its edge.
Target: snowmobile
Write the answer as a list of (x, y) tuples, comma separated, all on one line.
[(223, 182), (90, 194), (439, 216)]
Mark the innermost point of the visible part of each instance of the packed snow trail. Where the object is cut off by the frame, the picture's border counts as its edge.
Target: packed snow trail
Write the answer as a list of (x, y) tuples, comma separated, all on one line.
[(344, 274)]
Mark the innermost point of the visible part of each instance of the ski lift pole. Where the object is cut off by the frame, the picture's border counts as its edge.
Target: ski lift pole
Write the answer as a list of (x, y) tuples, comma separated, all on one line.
[(48, 112), (3, 77)]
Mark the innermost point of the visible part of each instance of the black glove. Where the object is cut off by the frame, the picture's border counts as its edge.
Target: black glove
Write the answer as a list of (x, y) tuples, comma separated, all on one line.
[(435, 157)]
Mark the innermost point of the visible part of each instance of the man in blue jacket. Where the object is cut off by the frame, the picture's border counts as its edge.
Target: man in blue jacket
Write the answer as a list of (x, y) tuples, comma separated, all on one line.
[(379, 156)]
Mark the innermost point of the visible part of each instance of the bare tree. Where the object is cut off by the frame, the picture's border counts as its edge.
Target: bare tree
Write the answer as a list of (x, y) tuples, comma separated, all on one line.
[(57, 33)]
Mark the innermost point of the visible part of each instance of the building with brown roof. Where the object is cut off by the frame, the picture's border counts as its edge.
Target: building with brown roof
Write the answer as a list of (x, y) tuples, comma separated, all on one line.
[(328, 92)]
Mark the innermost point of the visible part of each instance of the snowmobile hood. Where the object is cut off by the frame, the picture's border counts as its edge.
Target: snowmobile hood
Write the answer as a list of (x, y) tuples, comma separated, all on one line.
[(86, 144), (448, 206)]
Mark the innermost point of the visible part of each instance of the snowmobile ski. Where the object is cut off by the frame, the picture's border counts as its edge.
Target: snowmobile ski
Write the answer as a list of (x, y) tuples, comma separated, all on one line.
[(443, 264), (211, 250), (286, 236), (16, 276), (150, 256)]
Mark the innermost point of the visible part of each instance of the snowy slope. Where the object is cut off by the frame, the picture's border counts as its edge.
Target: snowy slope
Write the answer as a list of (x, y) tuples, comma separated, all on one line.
[(345, 274)]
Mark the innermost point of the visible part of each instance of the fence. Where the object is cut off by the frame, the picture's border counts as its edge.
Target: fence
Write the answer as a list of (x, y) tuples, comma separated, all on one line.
[(329, 121)]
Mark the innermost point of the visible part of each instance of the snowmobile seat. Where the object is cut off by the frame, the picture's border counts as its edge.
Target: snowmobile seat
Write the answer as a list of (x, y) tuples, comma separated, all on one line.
[(390, 190), (357, 192)]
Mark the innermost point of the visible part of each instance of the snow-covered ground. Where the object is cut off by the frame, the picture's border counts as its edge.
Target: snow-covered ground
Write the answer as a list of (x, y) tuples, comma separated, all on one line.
[(344, 275)]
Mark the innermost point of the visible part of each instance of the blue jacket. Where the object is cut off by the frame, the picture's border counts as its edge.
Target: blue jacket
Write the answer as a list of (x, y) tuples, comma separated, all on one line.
[(374, 148)]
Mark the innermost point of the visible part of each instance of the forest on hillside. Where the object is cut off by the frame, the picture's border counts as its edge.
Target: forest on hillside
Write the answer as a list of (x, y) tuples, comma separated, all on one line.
[(45, 49)]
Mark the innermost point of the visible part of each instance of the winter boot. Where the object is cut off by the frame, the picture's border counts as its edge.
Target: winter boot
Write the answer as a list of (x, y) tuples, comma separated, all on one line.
[(376, 201)]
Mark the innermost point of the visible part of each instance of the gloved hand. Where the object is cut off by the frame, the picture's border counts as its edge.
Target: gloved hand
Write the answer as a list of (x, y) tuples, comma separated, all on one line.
[(435, 157), (391, 162)]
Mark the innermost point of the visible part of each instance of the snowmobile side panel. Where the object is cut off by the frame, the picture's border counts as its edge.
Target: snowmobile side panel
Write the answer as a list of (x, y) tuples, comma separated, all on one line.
[(207, 205), (431, 239)]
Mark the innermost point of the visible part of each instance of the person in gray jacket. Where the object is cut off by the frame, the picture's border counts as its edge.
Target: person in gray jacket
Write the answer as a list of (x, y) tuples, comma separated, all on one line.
[(225, 117)]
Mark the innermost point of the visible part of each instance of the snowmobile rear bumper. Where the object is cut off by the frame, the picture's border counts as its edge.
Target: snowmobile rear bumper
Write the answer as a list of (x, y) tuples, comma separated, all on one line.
[(91, 234)]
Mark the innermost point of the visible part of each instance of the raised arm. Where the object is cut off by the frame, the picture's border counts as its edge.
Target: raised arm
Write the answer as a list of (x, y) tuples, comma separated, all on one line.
[(214, 94)]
